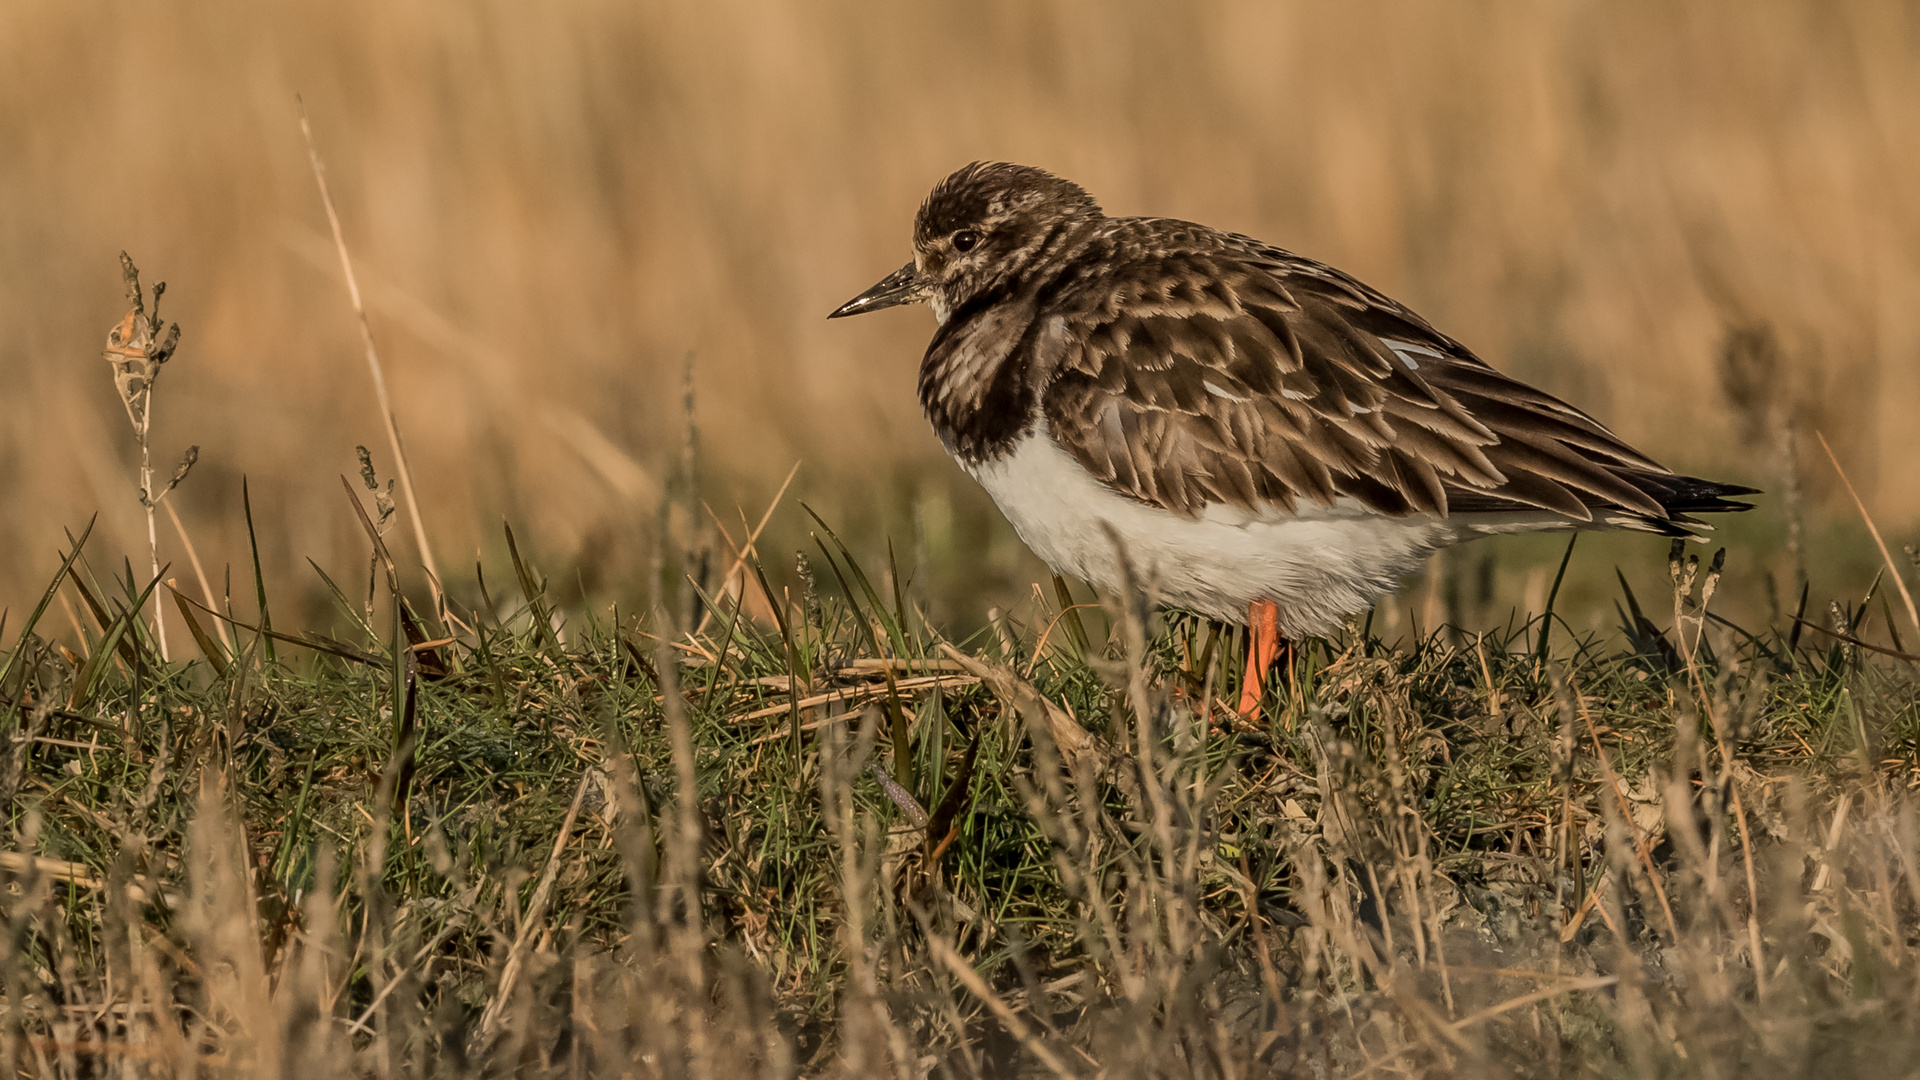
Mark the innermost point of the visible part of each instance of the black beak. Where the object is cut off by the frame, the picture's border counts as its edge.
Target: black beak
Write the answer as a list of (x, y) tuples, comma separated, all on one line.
[(903, 286)]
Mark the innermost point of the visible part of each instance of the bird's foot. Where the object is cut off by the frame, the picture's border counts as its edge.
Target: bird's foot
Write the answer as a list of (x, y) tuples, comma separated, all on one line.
[(1264, 645)]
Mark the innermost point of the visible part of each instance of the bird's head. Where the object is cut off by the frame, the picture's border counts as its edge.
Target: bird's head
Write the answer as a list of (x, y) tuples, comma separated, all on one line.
[(980, 229)]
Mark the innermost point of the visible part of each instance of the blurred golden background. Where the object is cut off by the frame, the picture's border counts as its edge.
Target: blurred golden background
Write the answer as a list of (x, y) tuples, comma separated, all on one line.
[(1697, 221)]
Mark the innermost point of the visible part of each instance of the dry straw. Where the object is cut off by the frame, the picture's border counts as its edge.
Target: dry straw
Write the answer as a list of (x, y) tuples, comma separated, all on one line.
[(374, 367), (1893, 568), (136, 350)]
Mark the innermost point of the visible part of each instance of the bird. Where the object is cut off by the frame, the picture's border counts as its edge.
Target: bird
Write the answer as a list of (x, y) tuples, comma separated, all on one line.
[(1263, 437)]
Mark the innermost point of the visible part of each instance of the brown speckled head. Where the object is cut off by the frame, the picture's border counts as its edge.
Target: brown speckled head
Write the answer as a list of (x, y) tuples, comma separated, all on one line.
[(980, 229), (989, 193), (986, 225)]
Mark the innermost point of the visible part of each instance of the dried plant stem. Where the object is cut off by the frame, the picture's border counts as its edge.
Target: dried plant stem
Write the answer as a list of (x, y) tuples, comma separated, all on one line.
[(1594, 982), (1641, 846), (373, 358), (746, 551), (1893, 569), (143, 427), (1723, 739), (536, 911), (977, 986), (136, 350), (199, 571)]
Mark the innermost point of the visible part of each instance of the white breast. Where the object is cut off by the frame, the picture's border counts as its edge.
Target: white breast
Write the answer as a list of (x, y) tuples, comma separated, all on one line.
[(1319, 565)]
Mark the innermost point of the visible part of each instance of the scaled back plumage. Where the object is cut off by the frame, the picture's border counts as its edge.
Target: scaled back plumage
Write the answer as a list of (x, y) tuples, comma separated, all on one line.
[(1185, 367)]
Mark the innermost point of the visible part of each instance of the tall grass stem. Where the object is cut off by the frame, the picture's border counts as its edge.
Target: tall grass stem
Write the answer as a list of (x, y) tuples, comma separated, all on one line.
[(373, 357)]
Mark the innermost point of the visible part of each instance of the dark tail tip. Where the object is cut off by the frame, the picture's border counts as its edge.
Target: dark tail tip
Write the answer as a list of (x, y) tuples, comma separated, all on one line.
[(1692, 495)]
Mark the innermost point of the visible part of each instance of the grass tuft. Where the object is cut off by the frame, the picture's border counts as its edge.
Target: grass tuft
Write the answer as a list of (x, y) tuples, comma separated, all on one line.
[(839, 842)]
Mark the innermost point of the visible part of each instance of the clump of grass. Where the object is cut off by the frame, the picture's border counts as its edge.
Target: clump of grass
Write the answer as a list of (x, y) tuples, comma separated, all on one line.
[(838, 842)]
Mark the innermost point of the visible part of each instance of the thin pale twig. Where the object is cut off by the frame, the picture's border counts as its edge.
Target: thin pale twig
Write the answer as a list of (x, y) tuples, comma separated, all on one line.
[(1626, 812), (1040, 648), (373, 356), (1913, 614), (745, 550), (978, 987), (536, 911), (1597, 982), (199, 571), (851, 695)]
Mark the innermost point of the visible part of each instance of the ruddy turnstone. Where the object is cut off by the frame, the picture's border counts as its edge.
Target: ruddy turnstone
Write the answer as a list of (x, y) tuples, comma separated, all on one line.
[(1272, 441)]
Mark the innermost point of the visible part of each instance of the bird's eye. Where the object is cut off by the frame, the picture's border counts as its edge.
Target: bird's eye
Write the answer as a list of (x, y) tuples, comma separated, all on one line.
[(965, 240)]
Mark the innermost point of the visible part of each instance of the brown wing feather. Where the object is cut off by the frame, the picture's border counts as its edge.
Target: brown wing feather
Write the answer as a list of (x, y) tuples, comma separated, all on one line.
[(1255, 378)]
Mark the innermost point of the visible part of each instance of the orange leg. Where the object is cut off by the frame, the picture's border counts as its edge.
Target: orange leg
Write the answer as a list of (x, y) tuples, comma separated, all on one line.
[(1263, 647)]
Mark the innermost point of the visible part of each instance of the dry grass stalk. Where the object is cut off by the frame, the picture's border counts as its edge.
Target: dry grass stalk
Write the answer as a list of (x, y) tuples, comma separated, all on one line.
[(199, 571), (1893, 568), (536, 912), (135, 351), (374, 367), (733, 582)]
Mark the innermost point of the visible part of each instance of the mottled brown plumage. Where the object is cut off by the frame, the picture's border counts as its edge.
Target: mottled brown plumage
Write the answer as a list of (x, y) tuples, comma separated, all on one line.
[(1266, 438), (1185, 367)]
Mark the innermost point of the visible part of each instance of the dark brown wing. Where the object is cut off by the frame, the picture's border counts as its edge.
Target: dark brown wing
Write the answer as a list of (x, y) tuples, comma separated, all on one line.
[(1255, 378)]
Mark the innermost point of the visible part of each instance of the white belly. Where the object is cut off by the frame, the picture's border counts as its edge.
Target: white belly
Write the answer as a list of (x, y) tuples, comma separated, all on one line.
[(1319, 565)]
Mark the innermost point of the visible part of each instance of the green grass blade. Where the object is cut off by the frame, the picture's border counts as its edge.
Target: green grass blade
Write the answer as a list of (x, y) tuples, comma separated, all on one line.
[(533, 591), (102, 618), (793, 673), (486, 594), (46, 598), (900, 599), (294, 831), (259, 578), (307, 640), (902, 743), (137, 633), (406, 735), (726, 642), (860, 620), (353, 613), (209, 648), (86, 680), (896, 719), (1070, 617), (1553, 594), (895, 632), (1799, 620)]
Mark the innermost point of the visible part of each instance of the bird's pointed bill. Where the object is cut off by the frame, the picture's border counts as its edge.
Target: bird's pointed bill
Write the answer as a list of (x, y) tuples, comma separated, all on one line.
[(903, 286)]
